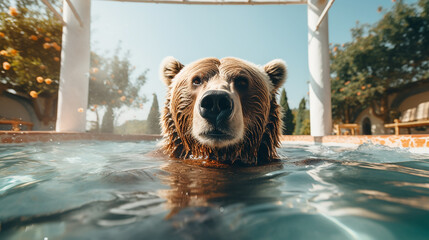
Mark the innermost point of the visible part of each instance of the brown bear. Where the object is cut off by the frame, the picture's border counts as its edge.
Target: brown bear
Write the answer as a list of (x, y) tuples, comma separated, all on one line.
[(222, 109)]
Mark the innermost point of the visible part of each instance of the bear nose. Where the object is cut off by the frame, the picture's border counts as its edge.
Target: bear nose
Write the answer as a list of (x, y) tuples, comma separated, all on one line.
[(216, 106)]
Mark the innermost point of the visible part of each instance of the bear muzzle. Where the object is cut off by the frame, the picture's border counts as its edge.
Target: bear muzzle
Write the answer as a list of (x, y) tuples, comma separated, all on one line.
[(216, 107)]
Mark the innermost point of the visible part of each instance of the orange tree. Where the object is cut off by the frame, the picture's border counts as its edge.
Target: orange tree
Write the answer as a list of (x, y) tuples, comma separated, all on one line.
[(30, 40), (114, 85), (30, 51), (381, 59)]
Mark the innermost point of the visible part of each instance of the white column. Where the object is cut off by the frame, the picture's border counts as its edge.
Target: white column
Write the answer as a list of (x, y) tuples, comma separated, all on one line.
[(318, 63), (75, 54)]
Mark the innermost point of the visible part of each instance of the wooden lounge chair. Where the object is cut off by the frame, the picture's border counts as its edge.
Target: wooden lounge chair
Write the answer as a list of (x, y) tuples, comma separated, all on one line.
[(17, 124), (413, 117), (354, 128)]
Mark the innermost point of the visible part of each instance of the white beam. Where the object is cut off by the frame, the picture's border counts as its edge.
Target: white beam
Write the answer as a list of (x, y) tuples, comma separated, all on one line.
[(324, 13), (318, 63), (75, 12), (75, 54), (215, 2), (56, 13)]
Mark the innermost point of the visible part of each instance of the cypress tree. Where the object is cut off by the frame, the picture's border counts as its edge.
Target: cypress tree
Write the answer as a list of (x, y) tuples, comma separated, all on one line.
[(153, 126), (288, 124), (107, 124), (300, 117)]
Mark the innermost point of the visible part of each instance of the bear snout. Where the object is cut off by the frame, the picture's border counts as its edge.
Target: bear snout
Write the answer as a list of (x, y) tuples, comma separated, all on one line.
[(216, 106)]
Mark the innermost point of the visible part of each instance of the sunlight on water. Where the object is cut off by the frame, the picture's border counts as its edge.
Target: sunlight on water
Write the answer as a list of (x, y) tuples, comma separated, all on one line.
[(121, 190)]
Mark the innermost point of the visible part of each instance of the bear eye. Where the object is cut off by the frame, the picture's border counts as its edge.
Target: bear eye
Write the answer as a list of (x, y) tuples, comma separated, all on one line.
[(241, 83), (196, 81)]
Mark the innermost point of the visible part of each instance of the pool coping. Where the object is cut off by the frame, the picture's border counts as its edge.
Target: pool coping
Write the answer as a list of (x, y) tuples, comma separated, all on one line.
[(416, 143), (52, 136), (419, 142)]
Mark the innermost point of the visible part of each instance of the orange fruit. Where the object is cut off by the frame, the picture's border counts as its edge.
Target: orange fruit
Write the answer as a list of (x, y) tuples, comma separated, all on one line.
[(43, 67), (34, 94), (56, 59), (48, 81), (6, 65), (347, 83), (335, 48), (3, 53), (2, 34), (34, 37), (13, 12), (358, 93), (120, 91), (39, 79), (123, 98), (46, 45), (47, 39), (13, 52)]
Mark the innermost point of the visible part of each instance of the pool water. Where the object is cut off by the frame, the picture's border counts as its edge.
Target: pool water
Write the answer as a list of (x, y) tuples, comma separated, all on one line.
[(118, 190)]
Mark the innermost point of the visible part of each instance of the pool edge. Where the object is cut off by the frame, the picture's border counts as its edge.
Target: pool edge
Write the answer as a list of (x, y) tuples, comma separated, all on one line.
[(52, 136), (417, 143)]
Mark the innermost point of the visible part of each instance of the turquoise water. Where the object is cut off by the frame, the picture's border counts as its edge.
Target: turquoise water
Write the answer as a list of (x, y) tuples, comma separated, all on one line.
[(115, 190)]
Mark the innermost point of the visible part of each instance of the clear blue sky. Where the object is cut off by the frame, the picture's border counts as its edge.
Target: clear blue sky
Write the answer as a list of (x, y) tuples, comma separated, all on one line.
[(190, 32)]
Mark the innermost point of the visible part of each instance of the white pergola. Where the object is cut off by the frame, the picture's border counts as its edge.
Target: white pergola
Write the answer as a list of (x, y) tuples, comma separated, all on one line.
[(75, 57)]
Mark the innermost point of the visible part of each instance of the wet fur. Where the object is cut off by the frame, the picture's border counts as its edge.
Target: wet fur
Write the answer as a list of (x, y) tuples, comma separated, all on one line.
[(261, 113)]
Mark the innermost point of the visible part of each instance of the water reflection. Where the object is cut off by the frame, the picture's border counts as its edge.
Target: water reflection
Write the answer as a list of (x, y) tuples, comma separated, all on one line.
[(197, 186), (391, 168)]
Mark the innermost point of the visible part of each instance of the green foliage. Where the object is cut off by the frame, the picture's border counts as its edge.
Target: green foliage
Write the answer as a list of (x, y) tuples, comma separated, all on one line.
[(153, 125), (30, 45), (30, 41), (112, 84), (380, 59), (288, 118), (302, 126), (132, 127)]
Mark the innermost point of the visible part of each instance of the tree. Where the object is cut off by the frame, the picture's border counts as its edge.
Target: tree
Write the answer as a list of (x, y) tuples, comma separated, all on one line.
[(302, 126), (30, 51), (288, 118), (381, 59), (153, 126), (113, 85)]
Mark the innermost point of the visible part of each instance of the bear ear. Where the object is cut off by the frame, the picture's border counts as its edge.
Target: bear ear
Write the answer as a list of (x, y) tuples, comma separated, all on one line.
[(276, 70), (170, 67)]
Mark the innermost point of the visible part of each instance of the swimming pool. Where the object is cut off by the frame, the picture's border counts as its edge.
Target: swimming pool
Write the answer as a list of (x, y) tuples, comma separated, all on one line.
[(116, 190)]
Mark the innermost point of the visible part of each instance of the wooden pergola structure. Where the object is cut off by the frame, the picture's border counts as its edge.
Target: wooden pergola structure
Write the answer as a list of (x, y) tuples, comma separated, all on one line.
[(75, 56)]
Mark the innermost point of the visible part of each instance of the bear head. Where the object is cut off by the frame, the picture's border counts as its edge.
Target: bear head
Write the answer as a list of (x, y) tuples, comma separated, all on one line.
[(223, 110)]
